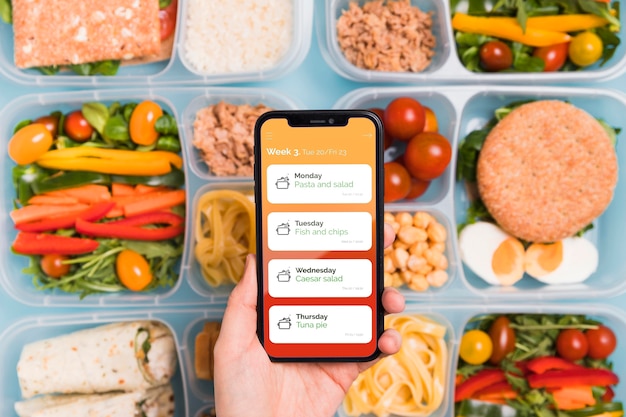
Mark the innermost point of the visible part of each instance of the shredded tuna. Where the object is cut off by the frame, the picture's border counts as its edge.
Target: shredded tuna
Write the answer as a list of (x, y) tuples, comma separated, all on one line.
[(224, 134), (387, 36)]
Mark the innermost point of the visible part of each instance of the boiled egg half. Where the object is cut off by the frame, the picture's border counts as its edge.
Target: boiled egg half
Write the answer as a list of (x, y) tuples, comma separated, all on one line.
[(501, 259)]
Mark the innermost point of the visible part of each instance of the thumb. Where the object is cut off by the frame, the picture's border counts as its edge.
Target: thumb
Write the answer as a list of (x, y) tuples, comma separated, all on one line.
[(240, 317)]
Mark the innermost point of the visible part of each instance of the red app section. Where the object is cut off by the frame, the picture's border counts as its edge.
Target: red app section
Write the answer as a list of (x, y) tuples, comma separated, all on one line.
[(319, 233)]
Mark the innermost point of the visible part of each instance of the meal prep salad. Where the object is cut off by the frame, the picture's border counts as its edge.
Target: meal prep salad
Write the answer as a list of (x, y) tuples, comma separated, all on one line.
[(89, 38), (99, 205), (530, 209), (535, 36), (542, 365)]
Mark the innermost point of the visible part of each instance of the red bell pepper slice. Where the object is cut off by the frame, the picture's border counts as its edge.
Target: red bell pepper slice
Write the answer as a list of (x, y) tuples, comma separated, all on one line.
[(131, 229), (495, 392), (550, 363), (93, 213), (155, 217), (572, 377), (476, 382), (28, 243)]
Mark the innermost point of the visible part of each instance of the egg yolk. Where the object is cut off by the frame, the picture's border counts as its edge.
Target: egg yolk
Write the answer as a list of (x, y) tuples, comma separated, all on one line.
[(507, 262), (543, 258)]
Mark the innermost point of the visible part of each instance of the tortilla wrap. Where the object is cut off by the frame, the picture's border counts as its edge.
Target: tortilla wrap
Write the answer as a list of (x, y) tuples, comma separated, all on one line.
[(99, 360), (155, 402)]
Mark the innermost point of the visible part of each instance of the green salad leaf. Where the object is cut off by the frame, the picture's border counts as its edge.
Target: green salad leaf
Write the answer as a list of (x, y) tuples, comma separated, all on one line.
[(6, 11)]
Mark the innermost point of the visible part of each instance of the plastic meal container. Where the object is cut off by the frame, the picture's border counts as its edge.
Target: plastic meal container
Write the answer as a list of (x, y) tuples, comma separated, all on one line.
[(446, 65), (180, 322), (461, 110), (456, 317), (167, 72), (188, 289), (193, 273), (251, 96), (301, 40)]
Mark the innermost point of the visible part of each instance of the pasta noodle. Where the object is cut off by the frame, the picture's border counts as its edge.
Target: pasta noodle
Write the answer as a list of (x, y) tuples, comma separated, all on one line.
[(409, 383), (224, 232)]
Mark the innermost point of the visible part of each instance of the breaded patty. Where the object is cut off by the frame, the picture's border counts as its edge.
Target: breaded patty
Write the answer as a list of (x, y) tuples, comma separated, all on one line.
[(64, 32), (546, 170)]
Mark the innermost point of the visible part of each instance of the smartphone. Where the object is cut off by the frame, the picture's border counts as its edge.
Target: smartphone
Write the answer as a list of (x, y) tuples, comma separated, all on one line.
[(319, 216)]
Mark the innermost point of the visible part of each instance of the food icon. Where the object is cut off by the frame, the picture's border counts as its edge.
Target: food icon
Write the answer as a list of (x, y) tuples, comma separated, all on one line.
[(284, 323), (282, 183), (284, 275), (283, 229)]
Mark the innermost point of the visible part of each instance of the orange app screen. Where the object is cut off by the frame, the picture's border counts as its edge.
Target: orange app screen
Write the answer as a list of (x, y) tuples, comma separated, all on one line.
[(319, 247)]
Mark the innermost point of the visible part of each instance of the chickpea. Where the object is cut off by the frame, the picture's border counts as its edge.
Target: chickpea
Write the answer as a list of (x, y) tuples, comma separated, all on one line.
[(389, 218), (399, 258), (388, 279), (418, 283), (415, 263), (422, 219), (418, 248), (437, 278), (401, 245), (436, 232), (412, 234), (438, 247), (432, 257), (397, 280), (404, 218), (388, 265)]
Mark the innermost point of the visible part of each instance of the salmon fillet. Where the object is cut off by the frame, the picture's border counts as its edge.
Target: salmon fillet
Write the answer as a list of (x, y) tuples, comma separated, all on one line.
[(64, 32)]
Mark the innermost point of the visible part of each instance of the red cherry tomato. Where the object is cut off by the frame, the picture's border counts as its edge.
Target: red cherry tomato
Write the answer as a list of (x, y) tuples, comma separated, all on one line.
[(404, 118), (418, 188), (571, 344), (397, 182), (495, 56), (553, 56), (53, 266), (167, 18), (142, 121), (503, 339), (427, 155), (387, 139), (602, 342), (77, 127), (50, 122)]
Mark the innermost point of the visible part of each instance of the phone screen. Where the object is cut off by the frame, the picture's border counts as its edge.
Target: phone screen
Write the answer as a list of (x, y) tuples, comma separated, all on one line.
[(319, 230)]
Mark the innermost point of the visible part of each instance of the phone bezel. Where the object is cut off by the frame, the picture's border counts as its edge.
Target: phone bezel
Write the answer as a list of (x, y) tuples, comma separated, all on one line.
[(321, 118)]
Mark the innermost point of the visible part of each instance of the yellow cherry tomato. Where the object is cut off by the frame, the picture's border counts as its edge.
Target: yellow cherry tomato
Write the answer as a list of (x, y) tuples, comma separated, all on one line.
[(133, 270), (476, 347), (29, 143), (585, 49), (142, 121)]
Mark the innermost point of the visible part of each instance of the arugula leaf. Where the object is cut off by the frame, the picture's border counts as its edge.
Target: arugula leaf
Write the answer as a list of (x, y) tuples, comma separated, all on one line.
[(521, 15), (164, 3), (523, 61), (108, 67), (49, 70), (6, 11), (610, 42), (116, 129), (599, 9)]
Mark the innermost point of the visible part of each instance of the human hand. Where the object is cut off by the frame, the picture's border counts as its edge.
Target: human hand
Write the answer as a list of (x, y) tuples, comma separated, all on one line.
[(248, 383)]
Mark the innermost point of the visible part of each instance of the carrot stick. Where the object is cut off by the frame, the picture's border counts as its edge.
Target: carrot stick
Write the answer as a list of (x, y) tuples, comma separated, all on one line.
[(38, 212), (574, 397), (160, 201), (52, 200), (123, 200), (89, 194), (145, 189), (118, 189)]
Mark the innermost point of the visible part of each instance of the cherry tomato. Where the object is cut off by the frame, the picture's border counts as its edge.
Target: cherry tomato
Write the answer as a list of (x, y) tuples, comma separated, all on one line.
[(553, 56), (571, 344), (397, 182), (495, 56), (404, 118), (167, 18), (29, 143), (77, 127), (503, 339), (602, 342), (418, 188), (53, 266), (476, 347), (142, 122), (427, 155), (51, 123), (585, 49), (133, 270), (431, 124), (387, 139)]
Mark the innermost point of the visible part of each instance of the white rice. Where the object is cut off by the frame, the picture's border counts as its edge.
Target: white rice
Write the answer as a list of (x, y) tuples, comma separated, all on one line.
[(227, 36)]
